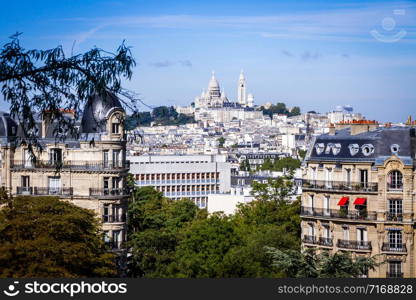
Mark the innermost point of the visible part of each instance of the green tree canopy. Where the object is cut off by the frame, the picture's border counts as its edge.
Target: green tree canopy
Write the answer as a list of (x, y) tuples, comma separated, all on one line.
[(46, 237), (309, 264), (34, 81)]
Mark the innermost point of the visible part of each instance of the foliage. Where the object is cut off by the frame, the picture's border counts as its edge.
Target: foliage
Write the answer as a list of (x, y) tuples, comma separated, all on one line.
[(280, 108), (286, 163), (309, 264), (176, 239), (161, 115), (35, 81), (154, 222), (302, 153), (221, 142), (46, 237), (245, 165), (276, 190)]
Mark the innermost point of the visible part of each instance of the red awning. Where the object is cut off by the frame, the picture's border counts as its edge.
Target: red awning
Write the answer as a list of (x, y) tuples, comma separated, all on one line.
[(360, 201), (343, 201)]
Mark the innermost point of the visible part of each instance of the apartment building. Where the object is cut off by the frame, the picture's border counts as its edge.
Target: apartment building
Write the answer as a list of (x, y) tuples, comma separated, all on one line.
[(358, 195), (183, 176), (87, 168)]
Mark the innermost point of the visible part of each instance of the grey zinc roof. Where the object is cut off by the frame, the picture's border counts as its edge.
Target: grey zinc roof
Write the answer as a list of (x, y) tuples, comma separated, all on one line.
[(8, 126), (382, 139), (96, 111)]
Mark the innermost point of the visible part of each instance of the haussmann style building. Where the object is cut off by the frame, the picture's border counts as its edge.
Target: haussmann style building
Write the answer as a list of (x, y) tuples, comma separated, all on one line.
[(87, 168), (359, 195)]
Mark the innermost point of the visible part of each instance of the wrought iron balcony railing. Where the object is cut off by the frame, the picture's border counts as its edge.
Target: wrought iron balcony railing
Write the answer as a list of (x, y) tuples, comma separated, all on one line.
[(310, 239), (339, 185), (394, 247), (44, 191), (395, 187), (325, 241), (392, 216), (71, 164), (109, 192), (355, 245), (394, 275), (339, 213), (114, 218)]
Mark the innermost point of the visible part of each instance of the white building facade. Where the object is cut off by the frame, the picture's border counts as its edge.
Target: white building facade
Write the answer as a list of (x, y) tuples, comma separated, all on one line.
[(183, 176)]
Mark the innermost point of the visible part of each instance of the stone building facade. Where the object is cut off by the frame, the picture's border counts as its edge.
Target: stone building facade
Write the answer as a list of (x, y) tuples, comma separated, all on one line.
[(359, 195), (87, 168)]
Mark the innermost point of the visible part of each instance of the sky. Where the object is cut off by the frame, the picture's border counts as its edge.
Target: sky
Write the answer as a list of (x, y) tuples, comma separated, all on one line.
[(312, 54)]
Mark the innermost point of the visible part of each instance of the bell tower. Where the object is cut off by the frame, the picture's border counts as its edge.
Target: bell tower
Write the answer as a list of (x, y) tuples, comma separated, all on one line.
[(242, 89)]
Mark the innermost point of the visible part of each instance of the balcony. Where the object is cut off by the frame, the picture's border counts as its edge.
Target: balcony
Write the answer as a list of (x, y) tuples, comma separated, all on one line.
[(75, 165), (394, 275), (309, 239), (108, 193), (113, 218), (354, 245), (322, 185), (392, 247), (339, 213), (395, 187), (394, 217), (325, 241), (44, 191)]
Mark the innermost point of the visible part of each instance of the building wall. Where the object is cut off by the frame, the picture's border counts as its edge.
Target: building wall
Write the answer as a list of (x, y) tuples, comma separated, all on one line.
[(378, 221), (187, 176)]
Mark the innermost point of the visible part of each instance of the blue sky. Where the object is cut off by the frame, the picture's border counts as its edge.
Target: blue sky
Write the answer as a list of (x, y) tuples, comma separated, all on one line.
[(314, 54)]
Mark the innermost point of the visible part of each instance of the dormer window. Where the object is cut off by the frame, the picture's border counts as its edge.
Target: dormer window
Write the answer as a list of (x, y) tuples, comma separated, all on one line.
[(115, 128), (319, 148), (367, 149), (55, 156), (354, 148), (336, 148)]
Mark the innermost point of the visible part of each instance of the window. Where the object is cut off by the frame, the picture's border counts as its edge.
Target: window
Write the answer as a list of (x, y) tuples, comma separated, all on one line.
[(395, 269), (105, 158), (116, 158), (25, 185), (106, 185), (54, 184), (55, 156), (27, 157), (115, 128), (118, 214), (326, 205), (345, 233), (116, 184), (395, 180), (364, 177), (348, 181), (106, 213), (117, 238), (395, 240), (395, 210)]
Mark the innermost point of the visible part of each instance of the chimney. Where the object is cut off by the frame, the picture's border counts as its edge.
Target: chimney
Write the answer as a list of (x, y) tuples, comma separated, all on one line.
[(358, 126), (46, 121), (331, 129)]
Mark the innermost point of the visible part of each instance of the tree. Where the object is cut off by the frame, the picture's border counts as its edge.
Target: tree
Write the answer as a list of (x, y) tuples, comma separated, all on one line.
[(276, 189), (154, 224), (295, 111), (46, 237), (205, 246), (309, 264), (36, 81), (221, 142), (302, 153)]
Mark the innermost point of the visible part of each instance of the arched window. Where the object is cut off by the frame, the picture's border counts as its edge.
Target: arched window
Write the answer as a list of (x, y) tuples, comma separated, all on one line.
[(395, 180)]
